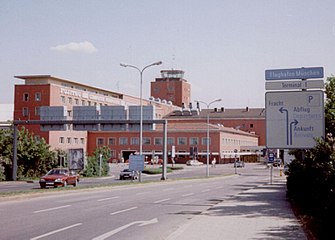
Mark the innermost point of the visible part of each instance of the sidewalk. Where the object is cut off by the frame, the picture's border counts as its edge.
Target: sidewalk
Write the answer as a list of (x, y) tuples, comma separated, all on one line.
[(259, 213)]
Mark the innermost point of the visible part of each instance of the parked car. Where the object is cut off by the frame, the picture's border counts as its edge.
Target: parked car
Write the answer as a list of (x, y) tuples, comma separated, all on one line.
[(238, 164), (194, 162), (126, 173), (59, 177)]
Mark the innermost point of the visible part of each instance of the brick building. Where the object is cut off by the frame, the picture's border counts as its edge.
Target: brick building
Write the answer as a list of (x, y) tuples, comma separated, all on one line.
[(230, 129)]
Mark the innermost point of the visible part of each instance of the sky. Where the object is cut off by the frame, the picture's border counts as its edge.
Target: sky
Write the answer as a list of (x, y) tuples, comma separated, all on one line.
[(224, 46)]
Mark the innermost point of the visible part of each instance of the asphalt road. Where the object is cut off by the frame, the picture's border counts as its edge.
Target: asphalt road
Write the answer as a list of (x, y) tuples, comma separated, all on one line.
[(138, 211), (187, 172)]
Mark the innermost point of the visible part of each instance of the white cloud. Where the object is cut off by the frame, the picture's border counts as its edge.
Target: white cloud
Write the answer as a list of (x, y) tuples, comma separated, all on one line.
[(83, 47)]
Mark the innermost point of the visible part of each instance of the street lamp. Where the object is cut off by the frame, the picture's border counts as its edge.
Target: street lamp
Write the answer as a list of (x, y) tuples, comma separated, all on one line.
[(207, 142), (141, 107)]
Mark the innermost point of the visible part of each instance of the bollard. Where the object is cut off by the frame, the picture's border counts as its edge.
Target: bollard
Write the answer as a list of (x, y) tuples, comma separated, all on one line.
[(280, 172)]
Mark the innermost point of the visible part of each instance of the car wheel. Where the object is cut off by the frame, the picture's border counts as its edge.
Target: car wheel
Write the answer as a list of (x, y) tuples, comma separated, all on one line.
[(42, 186), (75, 183)]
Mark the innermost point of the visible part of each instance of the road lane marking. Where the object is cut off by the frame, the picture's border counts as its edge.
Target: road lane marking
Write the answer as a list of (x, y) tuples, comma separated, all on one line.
[(187, 195), (162, 200), (205, 190), (119, 229), (124, 210), (52, 209), (106, 199), (56, 231), (141, 193)]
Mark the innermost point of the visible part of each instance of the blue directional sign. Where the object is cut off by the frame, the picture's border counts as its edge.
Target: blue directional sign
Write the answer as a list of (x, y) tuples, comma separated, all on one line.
[(294, 73), (294, 119)]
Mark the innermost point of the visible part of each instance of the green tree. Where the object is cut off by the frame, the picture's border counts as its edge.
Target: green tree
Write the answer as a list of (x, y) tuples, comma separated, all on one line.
[(311, 176), (34, 155), (93, 162)]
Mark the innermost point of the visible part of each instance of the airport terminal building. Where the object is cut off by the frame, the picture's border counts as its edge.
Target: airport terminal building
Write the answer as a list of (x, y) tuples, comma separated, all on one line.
[(170, 100)]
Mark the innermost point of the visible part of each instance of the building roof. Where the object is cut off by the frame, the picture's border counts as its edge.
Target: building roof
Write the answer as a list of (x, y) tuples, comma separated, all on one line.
[(221, 113), (44, 80), (202, 127)]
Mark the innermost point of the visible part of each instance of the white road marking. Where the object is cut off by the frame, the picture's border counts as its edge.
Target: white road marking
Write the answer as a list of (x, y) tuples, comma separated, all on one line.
[(205, 190), (52, 209), (162, 200), (124, 210), (141, 193), (106, 199), (56, 231), (111, 233), (188, 194)]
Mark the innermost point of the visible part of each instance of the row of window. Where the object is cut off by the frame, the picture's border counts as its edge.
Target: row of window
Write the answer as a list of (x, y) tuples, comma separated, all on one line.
[(76, 101), (25, 111), (148, 141), (69, 140), (237, 142), (38, 97)]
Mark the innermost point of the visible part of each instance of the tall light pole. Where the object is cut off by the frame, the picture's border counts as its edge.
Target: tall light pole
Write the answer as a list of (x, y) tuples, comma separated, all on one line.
[(141, 106), (207, 141)]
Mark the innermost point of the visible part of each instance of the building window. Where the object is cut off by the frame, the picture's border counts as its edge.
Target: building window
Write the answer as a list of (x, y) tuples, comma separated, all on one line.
[(68, 140), (146, 141), (62, 99), (134, 141), (182, 141), (82, 140), (26, 97), (69, 113), (100, 141), (70, 100), (194, 141), (37, 111), (25, 112), (170, 141), (251, 125), (111, 141), (204, 141), (83, 102), (37, 138), (61, 140), (89, 103), (158, 141), (76, 140), (38, 96), (123, 141), (76, 100)]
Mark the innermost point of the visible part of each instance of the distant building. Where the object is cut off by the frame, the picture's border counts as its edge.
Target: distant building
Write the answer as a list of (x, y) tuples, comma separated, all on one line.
[(171, 86), (6, 115), (230, 130), (46, 90)]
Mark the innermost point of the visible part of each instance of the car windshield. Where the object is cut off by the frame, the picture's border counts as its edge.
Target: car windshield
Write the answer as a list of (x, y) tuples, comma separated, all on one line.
[(57, 171)]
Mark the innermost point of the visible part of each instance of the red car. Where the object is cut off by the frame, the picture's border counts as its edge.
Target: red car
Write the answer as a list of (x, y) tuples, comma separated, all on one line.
[(59, 177)]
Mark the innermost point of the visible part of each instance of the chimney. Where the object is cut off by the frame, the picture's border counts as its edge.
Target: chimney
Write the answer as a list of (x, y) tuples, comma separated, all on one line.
[(222, 109)]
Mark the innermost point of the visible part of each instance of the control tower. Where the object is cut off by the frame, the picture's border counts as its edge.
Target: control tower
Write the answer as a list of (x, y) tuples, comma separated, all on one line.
[(172, 86)]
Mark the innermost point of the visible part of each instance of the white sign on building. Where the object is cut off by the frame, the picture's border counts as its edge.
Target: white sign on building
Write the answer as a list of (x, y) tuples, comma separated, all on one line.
[(294, 119)]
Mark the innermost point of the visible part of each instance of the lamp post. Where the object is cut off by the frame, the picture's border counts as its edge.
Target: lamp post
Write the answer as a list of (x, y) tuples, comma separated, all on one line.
[(141, 107), (207, 141)]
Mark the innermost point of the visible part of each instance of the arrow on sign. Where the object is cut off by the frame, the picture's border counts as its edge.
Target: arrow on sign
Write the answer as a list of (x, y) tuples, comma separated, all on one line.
[(282, 110), (295, 122), (119, 229)]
